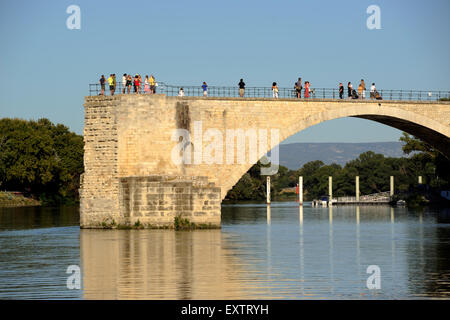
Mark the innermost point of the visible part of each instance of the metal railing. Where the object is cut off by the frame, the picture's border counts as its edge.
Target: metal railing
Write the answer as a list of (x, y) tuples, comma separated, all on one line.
[(375, 197), (267, 92)]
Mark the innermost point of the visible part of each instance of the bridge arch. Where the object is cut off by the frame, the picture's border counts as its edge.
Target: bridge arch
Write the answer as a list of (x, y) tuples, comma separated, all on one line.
[(427, 129)]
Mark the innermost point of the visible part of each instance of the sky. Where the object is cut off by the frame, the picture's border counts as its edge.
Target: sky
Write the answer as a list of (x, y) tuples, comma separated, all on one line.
[(45, 67)]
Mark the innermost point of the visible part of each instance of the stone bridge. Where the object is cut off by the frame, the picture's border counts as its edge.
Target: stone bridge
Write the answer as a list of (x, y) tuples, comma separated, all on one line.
[(133, 176)]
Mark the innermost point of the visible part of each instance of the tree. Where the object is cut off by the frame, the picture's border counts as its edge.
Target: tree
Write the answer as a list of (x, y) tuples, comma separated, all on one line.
[(41, 158)]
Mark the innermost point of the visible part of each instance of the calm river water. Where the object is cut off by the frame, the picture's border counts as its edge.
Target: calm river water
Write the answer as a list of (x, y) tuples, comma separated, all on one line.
[(282, 253)]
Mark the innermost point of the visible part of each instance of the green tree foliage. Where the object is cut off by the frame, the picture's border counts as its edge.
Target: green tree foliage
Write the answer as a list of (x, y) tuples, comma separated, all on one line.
[(41, 158), (433, 165)]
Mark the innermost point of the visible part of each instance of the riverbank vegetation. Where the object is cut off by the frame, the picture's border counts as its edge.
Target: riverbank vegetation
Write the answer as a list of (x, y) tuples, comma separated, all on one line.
[(40, 159), (8, 199), (374, 171)]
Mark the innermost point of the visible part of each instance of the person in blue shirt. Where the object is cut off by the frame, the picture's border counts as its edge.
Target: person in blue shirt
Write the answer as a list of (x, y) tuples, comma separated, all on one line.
[(205, 89)]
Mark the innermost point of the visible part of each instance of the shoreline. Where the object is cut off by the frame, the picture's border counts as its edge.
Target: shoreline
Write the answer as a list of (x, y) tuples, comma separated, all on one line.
[(10, 200)]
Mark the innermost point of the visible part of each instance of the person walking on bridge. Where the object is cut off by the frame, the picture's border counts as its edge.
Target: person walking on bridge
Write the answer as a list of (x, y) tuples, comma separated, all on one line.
[(341, 91), (241, 85), (205, 89)]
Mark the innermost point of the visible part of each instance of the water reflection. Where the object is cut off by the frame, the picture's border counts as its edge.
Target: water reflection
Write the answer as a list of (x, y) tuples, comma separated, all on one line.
[(151, 264), (261, 252)]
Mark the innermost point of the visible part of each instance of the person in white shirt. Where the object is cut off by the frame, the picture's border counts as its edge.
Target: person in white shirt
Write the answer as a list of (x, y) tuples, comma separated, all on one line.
[(124, 82), (275, 90), (372, 91), (181, 93)]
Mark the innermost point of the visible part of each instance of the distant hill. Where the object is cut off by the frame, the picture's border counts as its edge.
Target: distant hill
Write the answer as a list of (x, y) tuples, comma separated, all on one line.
[(295, 155)]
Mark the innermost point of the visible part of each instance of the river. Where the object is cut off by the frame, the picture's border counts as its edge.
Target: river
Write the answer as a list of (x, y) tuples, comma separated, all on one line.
[(284, 252)]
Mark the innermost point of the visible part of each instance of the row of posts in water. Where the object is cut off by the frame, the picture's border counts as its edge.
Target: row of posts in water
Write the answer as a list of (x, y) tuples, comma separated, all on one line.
[(330, 215), (330, 190)]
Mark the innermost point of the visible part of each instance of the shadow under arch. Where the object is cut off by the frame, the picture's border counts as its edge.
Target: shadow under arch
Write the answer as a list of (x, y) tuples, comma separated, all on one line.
[(432, 132)]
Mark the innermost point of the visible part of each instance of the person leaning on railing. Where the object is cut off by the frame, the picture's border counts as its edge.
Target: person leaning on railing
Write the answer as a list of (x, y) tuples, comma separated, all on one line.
[(241, 85), (274, 90)]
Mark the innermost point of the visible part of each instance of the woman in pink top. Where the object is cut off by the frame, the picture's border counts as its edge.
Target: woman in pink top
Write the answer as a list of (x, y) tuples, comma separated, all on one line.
[(146, 85)]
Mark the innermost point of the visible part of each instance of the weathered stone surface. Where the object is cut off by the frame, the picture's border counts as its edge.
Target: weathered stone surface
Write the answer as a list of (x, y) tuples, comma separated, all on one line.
[(129, 145)]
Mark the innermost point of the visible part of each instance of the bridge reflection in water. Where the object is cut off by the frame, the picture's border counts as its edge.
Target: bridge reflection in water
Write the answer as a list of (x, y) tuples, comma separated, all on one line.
[(157, 264), (273, 252)]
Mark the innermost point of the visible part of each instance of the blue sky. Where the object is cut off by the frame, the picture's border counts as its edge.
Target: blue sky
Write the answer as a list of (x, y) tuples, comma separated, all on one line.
[(46, 68)]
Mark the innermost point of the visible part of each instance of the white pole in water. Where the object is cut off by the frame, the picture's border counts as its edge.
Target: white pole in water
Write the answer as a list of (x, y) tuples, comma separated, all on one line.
[(391, 193), (300, 192), (357, 188), (268, 190), (330, 190)]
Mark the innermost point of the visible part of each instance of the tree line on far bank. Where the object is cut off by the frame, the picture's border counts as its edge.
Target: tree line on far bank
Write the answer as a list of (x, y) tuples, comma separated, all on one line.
[(41, 159), (374, 171)]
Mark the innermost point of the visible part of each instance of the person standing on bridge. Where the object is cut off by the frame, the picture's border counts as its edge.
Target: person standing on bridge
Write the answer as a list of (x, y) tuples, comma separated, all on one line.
[(102, 85), (124, 82), (349, 90), (341, 91), (298, 88), (363, 89), (181, 92), (241, 85), (360, 90), (307, 86), (111, 84), (275, 90), (372, 91), (205, 89), (152, 82), (129, 82), (136, 83), (146, 85)]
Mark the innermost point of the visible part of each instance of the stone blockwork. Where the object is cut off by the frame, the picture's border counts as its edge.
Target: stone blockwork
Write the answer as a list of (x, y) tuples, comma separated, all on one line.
[(130, 140), (99, 192), (155, 201)]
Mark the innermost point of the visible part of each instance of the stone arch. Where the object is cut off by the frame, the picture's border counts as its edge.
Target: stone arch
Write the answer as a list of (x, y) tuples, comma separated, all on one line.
[(434, 133)]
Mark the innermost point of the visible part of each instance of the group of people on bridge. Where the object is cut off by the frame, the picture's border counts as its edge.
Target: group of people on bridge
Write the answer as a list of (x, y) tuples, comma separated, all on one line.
[(150, 85)]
